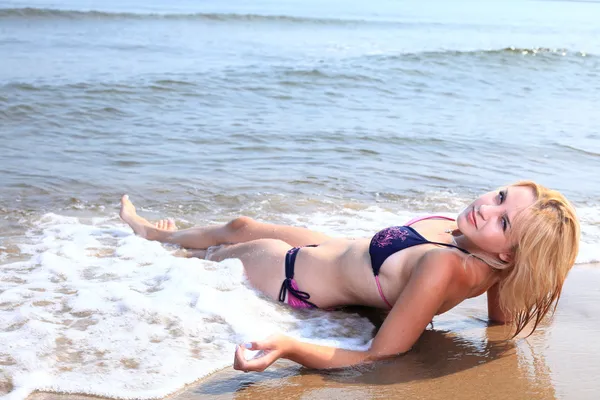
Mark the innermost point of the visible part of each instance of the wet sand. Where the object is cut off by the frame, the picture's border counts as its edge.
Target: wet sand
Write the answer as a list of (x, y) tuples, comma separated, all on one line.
[(460, 358)]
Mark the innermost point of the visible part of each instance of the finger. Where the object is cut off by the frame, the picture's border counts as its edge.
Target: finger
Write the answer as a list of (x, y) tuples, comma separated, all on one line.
[(261, 363), (257, 364), (239, 358), (252, 346), (240, 362), (266, 344)]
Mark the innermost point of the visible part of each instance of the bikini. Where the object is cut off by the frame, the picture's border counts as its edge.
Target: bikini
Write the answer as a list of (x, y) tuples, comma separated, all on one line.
[(296, 298), (385, 243)]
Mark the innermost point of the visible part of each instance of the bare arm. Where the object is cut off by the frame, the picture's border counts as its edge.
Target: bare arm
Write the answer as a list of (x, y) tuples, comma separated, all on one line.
[(418, 303), (495, 312)]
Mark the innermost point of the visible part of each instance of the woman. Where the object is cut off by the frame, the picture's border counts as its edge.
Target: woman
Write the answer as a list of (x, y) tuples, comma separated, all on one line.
[(517, 244)]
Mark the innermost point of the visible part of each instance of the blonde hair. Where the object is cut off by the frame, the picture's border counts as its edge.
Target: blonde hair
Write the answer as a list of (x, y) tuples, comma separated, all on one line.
[(546, 243)]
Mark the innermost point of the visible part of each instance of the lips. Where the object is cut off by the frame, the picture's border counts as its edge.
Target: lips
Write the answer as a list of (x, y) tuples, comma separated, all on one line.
[(472, 217)]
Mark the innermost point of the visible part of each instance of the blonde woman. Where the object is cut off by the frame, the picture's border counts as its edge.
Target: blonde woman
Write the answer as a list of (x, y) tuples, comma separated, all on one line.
[(516, 243)]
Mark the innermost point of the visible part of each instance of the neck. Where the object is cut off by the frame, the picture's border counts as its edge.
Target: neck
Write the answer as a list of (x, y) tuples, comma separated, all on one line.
[(464, 243), (484, 275)]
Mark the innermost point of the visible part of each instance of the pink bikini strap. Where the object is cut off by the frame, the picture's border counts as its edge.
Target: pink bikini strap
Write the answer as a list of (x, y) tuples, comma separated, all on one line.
[(381, 291), (415, 220)]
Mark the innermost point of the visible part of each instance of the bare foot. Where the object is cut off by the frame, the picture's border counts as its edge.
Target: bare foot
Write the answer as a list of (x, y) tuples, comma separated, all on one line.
[(166, 225), (129, 215)]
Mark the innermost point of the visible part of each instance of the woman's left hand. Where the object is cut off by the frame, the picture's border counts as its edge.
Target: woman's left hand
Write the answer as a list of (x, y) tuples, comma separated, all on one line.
[(271, 349)]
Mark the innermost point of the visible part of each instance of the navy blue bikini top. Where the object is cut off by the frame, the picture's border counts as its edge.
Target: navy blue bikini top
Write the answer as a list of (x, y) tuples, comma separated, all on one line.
[(392, 240)]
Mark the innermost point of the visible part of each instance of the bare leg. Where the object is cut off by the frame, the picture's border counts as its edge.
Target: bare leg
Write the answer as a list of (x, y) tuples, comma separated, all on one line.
[(240, 230), (263, 261)]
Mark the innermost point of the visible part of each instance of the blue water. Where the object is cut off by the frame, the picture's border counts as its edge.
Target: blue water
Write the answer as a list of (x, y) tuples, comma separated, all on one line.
[(349, 100)]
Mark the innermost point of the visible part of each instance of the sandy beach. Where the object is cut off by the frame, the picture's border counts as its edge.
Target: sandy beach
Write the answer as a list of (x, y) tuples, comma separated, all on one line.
[(460, 358)]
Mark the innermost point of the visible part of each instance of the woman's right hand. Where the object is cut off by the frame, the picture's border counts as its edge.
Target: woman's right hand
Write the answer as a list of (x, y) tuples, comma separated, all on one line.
[(270, 350)]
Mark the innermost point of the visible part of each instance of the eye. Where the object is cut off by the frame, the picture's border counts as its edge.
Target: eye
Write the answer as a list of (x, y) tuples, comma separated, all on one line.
[(501, 196), (504, 220)]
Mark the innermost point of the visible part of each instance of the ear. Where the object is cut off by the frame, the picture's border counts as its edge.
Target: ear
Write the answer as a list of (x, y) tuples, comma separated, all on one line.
[(505, 257)]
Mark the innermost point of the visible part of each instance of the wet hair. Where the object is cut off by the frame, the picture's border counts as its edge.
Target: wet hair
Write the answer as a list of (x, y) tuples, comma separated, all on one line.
[(546, 242)]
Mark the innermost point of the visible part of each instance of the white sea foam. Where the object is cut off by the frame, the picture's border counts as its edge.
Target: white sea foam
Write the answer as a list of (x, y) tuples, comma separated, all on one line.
[(97, 310), (589, 250)]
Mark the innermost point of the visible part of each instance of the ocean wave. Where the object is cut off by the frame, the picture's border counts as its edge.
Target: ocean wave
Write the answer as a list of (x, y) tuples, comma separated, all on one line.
[(366, 69), (482, 53), (102, 87), (49, 13), (588, 152)]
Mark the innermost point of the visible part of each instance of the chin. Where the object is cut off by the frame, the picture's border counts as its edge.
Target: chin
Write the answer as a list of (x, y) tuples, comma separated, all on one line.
[(461, 221)]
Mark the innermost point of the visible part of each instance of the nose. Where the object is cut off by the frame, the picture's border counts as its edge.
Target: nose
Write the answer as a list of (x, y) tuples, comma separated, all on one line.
[(486, 211)]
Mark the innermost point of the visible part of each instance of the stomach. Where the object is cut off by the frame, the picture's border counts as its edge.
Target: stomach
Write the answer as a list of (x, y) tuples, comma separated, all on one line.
[(340, 251), (337, 273)]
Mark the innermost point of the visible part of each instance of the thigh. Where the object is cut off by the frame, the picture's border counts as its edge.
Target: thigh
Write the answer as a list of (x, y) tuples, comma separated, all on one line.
[(292, 235), (263, 260)]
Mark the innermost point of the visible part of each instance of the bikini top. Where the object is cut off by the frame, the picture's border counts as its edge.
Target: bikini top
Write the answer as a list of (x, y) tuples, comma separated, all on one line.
[(393, 239)]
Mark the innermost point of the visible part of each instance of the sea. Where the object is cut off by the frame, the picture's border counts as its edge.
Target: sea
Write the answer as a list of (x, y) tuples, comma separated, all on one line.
[(341, 116)]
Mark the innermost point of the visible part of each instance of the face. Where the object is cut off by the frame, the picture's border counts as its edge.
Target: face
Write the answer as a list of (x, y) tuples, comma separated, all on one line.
[(488, 221)]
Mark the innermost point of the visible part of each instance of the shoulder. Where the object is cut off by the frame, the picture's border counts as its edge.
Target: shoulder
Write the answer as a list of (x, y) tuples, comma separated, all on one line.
[(445, 267), (444, 261)]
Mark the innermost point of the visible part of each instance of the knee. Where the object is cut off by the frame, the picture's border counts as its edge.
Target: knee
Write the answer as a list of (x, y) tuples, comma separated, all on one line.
[(240, 223)]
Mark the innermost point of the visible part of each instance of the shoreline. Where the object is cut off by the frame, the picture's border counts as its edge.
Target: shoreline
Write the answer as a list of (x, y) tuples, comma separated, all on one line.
[(461, 357)]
